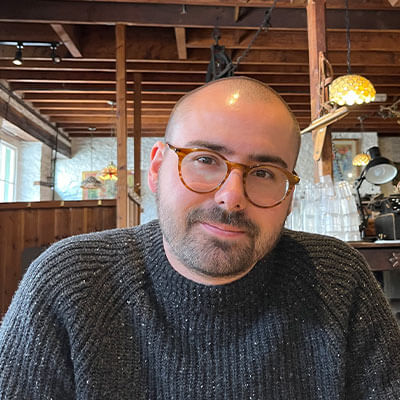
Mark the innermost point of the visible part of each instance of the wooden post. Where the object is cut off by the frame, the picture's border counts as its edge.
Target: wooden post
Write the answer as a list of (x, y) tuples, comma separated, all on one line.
[(137, 131), (317, 44), (121, 121)]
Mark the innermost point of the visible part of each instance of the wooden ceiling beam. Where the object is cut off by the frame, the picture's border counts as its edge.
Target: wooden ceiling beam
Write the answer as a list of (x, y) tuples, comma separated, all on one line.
[(95, 107), (297, 40), (100, 112), (180, 35), (95, 77), (173, 88), (153, 118), (19, 114), (11, 31), (355, 4), (146, 132), (256, 56), (163, 45), (187, 68), (58, 80), (69, 35), (161, 99), (83, 12)]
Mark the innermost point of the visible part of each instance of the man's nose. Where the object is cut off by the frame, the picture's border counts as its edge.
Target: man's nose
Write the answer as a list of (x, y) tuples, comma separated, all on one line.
[(230, 195)]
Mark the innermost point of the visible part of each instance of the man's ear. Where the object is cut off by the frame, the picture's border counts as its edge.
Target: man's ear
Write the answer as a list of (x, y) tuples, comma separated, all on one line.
[(156, 157), (291, 203)]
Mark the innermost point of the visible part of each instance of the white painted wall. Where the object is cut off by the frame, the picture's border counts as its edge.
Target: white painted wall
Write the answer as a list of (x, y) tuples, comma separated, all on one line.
[(69, 171), (34, 162), (28, 170)]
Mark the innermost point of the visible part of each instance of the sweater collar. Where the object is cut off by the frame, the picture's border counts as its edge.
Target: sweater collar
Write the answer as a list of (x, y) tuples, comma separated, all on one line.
[(173, 288)]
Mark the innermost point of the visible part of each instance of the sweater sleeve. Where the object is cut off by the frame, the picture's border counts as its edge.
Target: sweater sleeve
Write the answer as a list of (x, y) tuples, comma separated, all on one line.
[(35, 361), (373, 345)]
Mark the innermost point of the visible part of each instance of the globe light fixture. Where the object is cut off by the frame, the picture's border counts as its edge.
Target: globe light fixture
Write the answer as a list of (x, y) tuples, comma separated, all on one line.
[(361, 160)]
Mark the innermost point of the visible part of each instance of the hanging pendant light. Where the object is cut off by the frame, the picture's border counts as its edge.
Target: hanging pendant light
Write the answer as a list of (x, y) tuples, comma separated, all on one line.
[(350, 89), (361, 159), (91, 182), (109, 173)]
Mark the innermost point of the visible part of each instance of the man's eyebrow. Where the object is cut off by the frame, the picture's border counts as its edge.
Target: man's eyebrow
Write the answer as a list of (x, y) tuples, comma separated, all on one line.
[(267, 158), (259, 158), (210, 146)]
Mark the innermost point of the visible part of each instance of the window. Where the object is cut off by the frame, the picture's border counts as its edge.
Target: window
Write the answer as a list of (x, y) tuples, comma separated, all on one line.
[(7, 171)]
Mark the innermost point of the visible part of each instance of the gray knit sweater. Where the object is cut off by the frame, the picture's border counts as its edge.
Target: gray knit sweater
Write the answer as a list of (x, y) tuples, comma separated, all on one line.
[(105, 316)]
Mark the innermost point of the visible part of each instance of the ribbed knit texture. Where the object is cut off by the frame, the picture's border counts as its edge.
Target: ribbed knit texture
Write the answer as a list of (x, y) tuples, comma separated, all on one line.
[(105, 316)]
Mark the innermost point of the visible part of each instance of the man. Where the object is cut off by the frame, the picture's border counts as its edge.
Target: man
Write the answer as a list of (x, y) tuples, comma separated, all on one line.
[(220, 302)]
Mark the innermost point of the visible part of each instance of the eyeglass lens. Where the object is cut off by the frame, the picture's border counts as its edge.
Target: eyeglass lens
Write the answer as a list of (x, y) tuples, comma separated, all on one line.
[(204, 171)]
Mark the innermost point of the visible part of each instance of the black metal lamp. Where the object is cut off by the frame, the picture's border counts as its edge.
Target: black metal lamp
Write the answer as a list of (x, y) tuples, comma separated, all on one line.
[(378, 171)]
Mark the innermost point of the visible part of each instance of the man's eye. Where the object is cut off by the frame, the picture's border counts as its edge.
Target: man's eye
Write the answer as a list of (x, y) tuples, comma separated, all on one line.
[(206, 160), (262, 173)]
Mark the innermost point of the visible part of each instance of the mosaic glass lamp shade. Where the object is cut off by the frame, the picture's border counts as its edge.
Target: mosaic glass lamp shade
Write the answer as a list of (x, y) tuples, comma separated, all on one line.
[(351, 89), (109, 173)]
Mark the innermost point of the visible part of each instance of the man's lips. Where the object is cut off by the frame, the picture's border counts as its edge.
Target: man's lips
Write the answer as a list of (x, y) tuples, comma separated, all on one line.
[(222, 229)]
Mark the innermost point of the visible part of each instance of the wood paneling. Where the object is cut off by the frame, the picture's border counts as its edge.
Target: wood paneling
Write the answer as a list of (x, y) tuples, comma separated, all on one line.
[(27, 225)]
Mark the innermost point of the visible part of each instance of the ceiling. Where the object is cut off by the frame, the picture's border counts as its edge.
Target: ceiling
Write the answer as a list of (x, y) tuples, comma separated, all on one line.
[(168, 42)]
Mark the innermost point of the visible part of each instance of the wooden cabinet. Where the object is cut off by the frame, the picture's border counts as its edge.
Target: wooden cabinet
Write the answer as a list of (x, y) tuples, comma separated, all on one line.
[(380, 256)]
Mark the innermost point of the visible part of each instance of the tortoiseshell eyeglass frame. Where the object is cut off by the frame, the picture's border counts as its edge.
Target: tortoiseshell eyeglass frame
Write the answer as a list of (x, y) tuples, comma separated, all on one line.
[(292, 178)]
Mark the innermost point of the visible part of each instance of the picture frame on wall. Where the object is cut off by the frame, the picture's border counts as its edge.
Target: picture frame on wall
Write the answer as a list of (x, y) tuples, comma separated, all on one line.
[(344, 150)]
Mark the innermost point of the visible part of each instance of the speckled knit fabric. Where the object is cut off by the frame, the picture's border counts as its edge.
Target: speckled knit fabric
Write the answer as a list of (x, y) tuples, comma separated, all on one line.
[(104, 316)]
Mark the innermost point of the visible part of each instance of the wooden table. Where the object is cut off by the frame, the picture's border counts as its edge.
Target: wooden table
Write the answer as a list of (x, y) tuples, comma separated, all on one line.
[(380, 256)]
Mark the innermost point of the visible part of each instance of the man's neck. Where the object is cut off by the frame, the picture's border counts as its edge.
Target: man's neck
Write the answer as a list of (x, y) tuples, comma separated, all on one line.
[(197, 276)]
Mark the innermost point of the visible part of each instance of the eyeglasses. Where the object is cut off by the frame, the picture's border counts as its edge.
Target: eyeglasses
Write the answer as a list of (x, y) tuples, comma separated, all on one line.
[(203, 171)]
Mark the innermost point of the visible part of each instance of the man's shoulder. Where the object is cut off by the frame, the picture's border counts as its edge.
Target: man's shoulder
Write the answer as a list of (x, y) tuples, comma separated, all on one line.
[(107, 241), (79, 268), (97, 251), (325, 253), (316, 244)]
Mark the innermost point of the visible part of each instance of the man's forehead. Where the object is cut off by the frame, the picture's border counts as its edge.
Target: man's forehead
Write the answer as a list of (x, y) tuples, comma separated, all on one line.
[(232, 92), (224, 101)]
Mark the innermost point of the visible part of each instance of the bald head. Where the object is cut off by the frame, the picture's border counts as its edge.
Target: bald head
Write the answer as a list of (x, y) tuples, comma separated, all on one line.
[(250, 90)]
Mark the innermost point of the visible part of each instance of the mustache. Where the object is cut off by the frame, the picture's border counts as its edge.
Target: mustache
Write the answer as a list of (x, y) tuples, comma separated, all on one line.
[(216, 214)]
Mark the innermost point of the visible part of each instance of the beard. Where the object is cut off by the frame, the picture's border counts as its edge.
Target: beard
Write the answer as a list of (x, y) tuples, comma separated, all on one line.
[(208, 255)]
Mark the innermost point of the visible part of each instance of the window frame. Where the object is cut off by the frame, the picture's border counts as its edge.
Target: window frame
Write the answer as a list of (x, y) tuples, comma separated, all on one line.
[(11, 179)]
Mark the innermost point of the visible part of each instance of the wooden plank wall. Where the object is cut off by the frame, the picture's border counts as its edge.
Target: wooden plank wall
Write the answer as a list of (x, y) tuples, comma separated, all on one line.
[(36, 224)]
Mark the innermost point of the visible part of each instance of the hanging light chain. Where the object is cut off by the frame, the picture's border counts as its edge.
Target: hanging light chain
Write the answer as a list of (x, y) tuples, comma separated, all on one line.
[(347, 19), (263, 27)]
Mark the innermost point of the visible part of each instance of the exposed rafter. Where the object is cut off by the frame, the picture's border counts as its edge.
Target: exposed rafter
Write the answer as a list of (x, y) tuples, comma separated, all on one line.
[(169, 45), (68, 35)]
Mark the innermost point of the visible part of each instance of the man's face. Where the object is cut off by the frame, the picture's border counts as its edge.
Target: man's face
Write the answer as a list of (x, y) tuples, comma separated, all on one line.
[(217, 237)]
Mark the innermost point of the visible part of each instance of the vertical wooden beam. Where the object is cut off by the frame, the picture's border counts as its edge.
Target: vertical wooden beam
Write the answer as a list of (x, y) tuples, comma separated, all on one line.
[(137, 131), (316, 44), (121, 122)]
